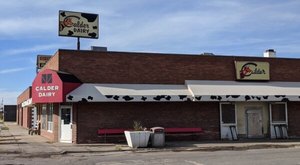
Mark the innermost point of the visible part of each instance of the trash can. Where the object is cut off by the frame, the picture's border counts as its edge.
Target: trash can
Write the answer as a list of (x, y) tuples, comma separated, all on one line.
[(157, 137)]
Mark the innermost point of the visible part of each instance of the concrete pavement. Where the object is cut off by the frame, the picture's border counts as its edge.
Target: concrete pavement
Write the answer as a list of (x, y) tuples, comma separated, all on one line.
[(17, 141)]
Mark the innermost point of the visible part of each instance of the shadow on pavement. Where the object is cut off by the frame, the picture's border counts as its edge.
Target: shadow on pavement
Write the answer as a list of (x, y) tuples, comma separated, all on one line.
[(5, 143)]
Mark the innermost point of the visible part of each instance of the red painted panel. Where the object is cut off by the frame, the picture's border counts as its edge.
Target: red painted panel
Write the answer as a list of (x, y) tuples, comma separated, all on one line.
[(182, 130), (68, 87), (47, 87), (111, 131)]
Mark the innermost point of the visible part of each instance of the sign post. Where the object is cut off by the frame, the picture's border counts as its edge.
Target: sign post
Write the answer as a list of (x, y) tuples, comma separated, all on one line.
[(78, 43), (80, 25)]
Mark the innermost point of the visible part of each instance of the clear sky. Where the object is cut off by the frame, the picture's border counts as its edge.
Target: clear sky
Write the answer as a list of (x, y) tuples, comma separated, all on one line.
[(223, 27)]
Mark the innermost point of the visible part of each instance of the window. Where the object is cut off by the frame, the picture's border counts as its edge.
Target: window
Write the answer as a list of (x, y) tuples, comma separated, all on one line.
[(44, 113), (50, 118), (65, 115), (278, 113), (228, 113), (46, 78)]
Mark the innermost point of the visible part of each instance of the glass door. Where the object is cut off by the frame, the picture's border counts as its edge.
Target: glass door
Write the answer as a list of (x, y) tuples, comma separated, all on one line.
[(66, 124), (228, 121), (278, 120)]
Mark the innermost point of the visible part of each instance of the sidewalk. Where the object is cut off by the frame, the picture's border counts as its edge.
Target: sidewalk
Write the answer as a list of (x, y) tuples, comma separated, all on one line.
[(17, 141)]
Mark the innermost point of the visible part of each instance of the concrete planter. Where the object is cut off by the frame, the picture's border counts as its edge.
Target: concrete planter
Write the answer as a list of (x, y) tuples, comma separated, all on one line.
[(137, 139)]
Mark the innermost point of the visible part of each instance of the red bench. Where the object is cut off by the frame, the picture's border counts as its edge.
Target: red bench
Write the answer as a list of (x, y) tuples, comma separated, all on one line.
[(120, 131), (183, 130), (117, 131), (111, 131)]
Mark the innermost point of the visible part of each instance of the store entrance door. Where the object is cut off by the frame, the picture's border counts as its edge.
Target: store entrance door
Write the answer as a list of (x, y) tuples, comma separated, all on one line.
[(254, 124), (66, 124)]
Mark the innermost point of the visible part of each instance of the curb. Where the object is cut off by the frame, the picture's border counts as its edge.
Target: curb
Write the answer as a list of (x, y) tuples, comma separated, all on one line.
[(147, 150), (182, 149), (62, 151), (235, 148)]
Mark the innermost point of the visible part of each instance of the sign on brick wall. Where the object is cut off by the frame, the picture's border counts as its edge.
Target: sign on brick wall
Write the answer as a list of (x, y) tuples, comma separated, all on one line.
[(251, 70)]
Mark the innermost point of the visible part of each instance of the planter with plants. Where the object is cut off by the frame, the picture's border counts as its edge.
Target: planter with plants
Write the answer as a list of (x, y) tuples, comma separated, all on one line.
[(139, 137)]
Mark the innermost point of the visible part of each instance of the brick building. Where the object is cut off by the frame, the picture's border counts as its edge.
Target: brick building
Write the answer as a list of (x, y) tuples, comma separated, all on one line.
[(228, 97), (25, 108)]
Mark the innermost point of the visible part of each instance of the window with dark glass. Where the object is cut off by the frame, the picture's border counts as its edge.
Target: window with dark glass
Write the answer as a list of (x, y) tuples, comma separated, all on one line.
[(50, 118), (65, 115), (278, 112), (228, 113), (44, 114), (46, 78)]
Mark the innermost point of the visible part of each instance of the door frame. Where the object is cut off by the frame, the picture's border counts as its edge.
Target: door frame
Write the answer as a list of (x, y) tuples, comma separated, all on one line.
[(59, 122), (253, 109), (225, 127), (273, 123)]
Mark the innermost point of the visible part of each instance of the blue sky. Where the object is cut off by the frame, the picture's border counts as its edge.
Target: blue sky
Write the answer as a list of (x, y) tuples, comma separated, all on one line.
[(231, 27)]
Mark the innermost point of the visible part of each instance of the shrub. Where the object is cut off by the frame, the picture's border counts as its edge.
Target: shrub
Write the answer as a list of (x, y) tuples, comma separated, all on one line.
[(137, 126)]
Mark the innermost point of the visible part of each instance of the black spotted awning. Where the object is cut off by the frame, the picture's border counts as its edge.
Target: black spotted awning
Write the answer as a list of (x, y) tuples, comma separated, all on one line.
[(244, 91), (192, 90), (128, 92)]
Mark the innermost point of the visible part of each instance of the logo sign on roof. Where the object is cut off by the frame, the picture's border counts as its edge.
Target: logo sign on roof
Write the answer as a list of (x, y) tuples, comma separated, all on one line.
[(75, 24), (41, 61), (47, 87), (249, 70)]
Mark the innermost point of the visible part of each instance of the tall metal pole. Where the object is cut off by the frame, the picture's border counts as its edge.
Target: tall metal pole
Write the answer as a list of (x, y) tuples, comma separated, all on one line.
[(2, 106), (78, 43)]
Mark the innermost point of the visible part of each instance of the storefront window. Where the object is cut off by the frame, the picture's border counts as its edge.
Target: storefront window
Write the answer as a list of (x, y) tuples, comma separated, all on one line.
[(228, 113), (44, 113), (278, 112), (50, 118)]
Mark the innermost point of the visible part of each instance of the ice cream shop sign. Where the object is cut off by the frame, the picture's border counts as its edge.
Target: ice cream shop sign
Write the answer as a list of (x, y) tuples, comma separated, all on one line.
[(252, 70), (46, 91), (47, 87)]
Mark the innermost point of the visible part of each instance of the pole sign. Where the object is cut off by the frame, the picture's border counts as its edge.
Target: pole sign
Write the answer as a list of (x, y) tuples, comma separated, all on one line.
[(76, 24), (251, 70)]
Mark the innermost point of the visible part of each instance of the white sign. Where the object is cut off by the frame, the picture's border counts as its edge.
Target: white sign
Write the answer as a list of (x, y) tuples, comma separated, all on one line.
[(75, 24), (27, 102), (46, 91)]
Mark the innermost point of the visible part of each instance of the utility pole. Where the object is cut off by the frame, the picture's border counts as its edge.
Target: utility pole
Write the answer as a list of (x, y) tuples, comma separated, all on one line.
[(1, 111), (1, 106)]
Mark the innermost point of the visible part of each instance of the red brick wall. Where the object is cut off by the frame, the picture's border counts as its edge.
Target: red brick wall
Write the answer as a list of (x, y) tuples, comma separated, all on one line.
[(52, 136), (24, 113), (75, 123), (56, 122), (293, 119), (120, 67), (19, 114), (121, 115), (53, 63), (24, 95)]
